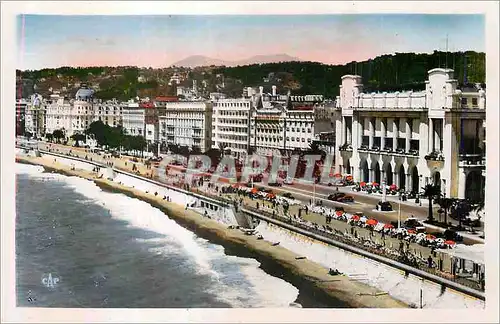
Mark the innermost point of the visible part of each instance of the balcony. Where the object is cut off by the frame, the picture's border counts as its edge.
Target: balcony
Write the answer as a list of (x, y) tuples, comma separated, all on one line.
[(346, 147), (472, 160), (435, 156)]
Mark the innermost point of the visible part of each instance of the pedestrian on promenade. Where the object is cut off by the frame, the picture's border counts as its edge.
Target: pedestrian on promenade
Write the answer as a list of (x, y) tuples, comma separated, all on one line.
[(429, 261)]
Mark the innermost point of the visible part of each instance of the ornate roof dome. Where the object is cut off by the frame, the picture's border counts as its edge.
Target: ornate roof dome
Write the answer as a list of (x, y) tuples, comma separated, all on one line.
[(84, 94)]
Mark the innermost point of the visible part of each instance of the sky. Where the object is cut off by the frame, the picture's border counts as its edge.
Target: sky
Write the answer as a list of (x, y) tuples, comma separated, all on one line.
[(48, 41)]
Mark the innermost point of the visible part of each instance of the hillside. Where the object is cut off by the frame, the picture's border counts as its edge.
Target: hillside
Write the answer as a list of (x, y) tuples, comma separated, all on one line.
[(402, 71), (384, 73)]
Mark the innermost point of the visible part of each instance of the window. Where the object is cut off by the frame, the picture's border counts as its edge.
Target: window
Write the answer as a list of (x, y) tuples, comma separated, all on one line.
[(464, 101), (474, 101)]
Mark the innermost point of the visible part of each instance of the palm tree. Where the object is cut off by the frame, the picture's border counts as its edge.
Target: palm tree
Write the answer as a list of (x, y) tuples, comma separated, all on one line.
[(431, 192), (446, 204), (462, 210)]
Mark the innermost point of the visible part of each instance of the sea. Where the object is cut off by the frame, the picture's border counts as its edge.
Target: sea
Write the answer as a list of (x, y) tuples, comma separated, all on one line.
[(79, 246)]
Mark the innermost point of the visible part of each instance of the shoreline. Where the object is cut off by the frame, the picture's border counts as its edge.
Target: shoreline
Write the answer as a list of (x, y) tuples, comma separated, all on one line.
[(314, 283)]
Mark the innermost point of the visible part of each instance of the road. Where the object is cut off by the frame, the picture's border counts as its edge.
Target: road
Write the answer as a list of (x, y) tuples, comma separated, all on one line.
[(304, 192)]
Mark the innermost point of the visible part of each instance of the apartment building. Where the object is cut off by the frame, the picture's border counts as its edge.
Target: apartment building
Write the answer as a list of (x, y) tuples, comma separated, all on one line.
[(109, 112), (231, 125), (133, 119), (187, 123)]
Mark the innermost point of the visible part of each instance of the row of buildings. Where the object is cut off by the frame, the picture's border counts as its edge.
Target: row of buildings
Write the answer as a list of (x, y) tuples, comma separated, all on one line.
[(406, 138), (267, 123)]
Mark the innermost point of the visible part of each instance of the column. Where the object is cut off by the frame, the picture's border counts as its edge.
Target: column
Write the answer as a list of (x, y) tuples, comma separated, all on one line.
[(408, 134), (344, 138), (349, 132), (383, 131), (371, 175), (408, 182), (359, 132), (372, 133), (395, 178), (462, 176), (431, 136), (395, 131)]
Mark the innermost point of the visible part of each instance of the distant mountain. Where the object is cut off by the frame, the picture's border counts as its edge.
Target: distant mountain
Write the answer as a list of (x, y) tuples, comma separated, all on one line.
[(201, 60), (261, 59)]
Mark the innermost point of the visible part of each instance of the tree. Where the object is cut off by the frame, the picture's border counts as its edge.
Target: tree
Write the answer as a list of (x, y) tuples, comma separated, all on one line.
[(184, 150), (49, 137), (461, 209), (195, 150), (58, 134), (446, 204), (431, 192), (78, 138)]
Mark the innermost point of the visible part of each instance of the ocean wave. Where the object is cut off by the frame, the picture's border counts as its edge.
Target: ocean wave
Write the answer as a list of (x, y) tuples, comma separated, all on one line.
[(237, 281), (22, 168), (368, 271)]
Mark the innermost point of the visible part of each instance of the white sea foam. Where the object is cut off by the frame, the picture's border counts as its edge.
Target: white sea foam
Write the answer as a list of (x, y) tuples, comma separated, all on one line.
[(368, 271), (237, 281), (22, 168)]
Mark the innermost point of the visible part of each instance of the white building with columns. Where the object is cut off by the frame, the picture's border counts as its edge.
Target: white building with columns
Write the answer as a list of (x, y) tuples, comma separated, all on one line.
[(414, 138), (187, 123)]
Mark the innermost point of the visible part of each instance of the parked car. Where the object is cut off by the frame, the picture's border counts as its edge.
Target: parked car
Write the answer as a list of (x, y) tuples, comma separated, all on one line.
[(414, 223), (275, 184), (452, 235), (288, 195), (384, 206)]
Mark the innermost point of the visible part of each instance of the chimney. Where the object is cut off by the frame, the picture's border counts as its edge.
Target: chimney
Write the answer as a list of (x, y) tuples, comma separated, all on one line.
[(249, 91), (261, 90), (274, 91)]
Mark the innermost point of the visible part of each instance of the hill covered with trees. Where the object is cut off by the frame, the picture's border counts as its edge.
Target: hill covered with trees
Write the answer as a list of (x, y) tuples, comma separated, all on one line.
[(401, 71)]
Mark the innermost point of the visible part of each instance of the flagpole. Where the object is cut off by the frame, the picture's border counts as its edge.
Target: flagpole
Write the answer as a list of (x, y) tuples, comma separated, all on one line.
[(399, 214)]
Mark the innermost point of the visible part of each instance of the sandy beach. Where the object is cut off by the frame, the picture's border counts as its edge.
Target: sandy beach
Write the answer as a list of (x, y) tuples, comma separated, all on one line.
[(309, 277)]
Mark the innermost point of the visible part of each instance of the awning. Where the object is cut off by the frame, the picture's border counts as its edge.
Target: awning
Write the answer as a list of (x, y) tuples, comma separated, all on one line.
[(474, 253)]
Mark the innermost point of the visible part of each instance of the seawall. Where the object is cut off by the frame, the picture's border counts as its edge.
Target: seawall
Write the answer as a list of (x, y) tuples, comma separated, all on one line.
[(310, 278)]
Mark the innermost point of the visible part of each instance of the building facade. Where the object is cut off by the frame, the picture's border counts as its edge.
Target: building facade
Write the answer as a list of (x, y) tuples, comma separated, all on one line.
[(109, 112), (231, 126), (133, 119), (21, 107), (58, 114), (187, 123), (35, 116), (413, 138)]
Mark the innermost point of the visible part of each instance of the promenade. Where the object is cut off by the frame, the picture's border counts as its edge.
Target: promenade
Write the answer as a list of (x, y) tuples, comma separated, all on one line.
[(368, 239)]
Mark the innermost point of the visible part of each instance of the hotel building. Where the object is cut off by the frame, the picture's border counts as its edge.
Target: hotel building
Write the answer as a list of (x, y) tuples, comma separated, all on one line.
[(414, 138), (187, 123), (133, 119), (230, 125), (35, 116)]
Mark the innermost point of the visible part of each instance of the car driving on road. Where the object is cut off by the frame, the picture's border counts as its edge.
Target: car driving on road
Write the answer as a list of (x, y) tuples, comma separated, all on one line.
[(340, 197)]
